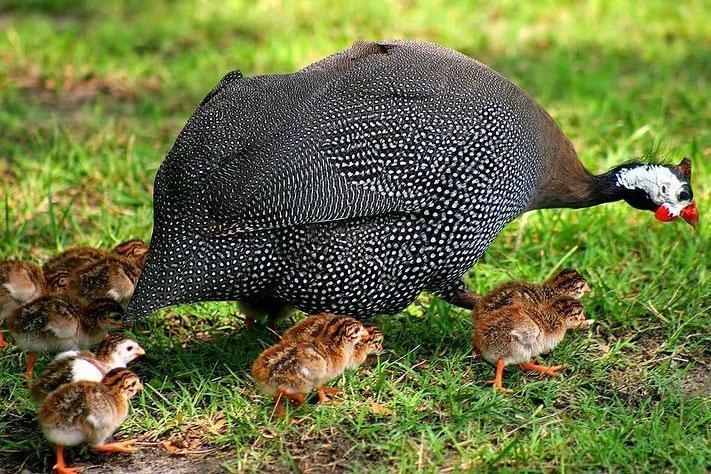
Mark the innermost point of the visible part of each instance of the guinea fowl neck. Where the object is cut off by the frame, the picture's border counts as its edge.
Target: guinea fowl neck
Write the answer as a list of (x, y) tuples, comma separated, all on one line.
[(577, 188)]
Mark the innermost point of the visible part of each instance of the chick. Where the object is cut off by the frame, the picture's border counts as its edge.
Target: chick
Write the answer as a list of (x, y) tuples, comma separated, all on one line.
[(20, 283), (73, 366), (294, 367), (88, 411), (58, 268), (134, 250), (56, 324), (518, 333), (567, 282), (110, 277), (371, 344)]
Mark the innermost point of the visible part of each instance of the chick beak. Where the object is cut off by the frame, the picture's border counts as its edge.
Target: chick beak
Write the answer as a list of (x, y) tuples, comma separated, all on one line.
[(690, 214), (140, 351)]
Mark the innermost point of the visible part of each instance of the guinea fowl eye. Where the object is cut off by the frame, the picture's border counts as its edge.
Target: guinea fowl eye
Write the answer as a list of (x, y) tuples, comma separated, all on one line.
[(684, 196)]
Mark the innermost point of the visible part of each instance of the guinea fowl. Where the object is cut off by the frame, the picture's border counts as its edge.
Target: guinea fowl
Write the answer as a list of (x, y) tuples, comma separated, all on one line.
[(361, 180)]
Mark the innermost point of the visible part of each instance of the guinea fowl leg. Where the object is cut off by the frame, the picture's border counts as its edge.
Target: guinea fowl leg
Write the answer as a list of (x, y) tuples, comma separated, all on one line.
[(463, 298), (60, 467), (499, 376), (324, 392), (249, 323), (531, 366), (121, 447), (30, 365)]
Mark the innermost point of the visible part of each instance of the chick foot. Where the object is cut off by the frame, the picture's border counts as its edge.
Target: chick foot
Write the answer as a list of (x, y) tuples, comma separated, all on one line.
[(324, 392), (60, 467), (121, 447), (30, 365), (553, 371), (498, 378)]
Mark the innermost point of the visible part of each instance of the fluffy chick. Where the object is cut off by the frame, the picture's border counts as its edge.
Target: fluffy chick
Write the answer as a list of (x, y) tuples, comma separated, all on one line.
[(56, 324), (294, 367), (20, 283), (73, 366), (90, 412), (568, 282), (110, 277), (518, 333)]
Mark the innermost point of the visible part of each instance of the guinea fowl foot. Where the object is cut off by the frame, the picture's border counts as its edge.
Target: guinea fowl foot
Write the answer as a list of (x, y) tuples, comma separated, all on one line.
[(60, 467), (324, 392), (30, 365), (121, 447), (553, 371), (498, 378)]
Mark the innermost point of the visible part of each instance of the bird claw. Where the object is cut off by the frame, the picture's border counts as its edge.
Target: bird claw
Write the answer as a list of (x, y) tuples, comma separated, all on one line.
[(120, 447), (324, 392), (66, 470), (499, 387)]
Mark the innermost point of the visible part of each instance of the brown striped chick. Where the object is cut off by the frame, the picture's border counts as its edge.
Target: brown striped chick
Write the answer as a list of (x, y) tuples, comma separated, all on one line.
[(56, 324), (371, 344), (73, 366), (518, 333), (20, 283), (294, 367), (59, 267), (110, 277), (88, 412), (568, 282)]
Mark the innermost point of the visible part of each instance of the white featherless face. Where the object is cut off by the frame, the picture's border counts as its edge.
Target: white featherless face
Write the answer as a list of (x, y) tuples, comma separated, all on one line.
[(661, 185), (664, 189)]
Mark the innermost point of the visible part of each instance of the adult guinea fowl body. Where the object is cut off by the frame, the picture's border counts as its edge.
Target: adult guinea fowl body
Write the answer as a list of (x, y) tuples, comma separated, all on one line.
[(361, 180)]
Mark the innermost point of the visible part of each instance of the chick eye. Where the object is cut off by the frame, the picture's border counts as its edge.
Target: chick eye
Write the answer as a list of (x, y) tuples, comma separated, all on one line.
[(130, 348), (684, 196), (664, 189)]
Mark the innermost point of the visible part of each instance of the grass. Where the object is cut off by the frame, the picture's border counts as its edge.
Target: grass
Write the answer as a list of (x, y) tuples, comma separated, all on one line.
[(93, 95)]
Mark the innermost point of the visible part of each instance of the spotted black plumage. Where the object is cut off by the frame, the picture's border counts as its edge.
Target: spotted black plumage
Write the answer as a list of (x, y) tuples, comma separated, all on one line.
[(349, 186)]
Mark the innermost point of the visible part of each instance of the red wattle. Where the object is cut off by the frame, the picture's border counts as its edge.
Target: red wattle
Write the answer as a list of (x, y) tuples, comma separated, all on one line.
[(690, 214), (662, 214)]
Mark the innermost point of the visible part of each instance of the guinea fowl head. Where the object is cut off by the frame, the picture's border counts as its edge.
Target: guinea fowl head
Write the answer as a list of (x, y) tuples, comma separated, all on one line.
[(663, 189)]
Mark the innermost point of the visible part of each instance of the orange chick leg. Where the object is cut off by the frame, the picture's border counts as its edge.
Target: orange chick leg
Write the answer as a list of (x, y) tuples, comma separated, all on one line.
[(531, 366), (60, 467), (499, 376), (30, 365), (121, 447), (2, 340), (324, 392), (279, 405)]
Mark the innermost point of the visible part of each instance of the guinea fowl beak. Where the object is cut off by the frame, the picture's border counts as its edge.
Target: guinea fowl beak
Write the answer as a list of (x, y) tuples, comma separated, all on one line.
[(690, 214)]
